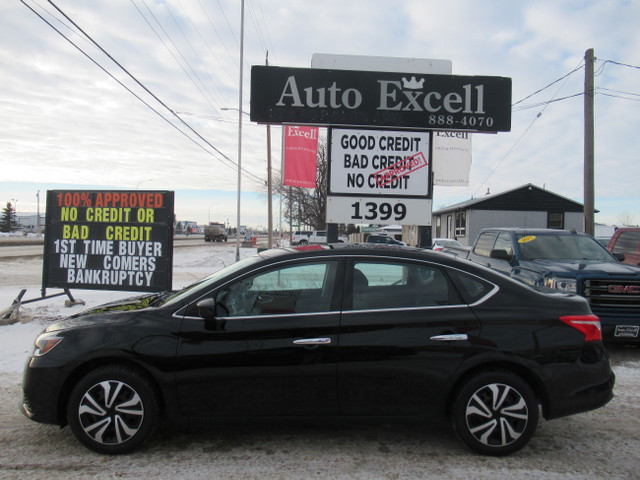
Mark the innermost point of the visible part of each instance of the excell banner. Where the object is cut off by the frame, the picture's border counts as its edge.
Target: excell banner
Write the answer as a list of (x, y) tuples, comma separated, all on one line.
[(451, 158), (300, 153)]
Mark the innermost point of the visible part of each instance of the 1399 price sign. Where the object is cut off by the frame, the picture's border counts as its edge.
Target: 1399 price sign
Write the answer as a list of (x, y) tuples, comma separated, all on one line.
[(404, 211), (383, 211)]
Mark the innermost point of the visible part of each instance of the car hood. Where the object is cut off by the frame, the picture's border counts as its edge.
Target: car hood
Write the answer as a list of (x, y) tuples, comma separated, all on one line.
[(118, 311), (581, 267)]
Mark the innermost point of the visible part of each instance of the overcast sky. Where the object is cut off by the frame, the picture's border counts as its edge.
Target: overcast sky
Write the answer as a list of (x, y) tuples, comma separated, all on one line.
[(68, 123)]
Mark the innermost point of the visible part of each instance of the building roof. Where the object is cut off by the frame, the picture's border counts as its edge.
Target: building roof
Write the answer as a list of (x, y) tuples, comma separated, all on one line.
[(528, 197)]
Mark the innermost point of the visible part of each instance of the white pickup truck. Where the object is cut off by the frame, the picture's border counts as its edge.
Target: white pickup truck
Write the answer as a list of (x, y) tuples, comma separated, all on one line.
[(315, 236)]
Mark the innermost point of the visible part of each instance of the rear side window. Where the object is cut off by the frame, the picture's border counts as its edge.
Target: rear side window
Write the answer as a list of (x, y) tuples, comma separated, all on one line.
[(471, 288), (395, 284)]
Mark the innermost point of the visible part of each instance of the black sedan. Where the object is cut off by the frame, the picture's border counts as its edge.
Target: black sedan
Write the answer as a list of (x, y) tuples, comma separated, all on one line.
[(325, 332)]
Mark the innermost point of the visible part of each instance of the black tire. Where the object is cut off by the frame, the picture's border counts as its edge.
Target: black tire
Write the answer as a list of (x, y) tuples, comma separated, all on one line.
[(113, 410), (303, 242), (495, 413)]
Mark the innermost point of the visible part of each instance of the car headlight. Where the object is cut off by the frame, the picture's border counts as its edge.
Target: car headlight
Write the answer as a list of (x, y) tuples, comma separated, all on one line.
[(44, 344), (569, 285)]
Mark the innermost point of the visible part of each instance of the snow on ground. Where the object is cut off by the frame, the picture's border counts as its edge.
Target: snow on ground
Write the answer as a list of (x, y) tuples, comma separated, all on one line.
[(602, 444), (190, 265)]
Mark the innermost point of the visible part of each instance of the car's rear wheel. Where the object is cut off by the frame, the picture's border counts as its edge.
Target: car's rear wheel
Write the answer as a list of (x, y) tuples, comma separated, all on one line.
[(495, 413), (303, 242), (113, 409)]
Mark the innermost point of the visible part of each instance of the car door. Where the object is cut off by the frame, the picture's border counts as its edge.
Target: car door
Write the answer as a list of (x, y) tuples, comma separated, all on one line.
[(271, 348), (404, 332)]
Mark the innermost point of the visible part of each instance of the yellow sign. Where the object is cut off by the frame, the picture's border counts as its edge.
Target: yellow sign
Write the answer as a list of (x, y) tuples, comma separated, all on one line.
[(526, 239)]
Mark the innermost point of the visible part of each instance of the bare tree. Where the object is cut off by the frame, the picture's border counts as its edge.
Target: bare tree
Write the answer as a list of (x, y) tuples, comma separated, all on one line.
[(625, 218)]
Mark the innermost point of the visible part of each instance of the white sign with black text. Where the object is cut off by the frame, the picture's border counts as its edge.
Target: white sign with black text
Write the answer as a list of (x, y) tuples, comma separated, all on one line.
[(379, 162), (379, 210)]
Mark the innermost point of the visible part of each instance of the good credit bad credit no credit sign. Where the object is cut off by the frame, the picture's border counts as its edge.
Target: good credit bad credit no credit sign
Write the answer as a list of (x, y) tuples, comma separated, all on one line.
[(379, 176), (111, 240)]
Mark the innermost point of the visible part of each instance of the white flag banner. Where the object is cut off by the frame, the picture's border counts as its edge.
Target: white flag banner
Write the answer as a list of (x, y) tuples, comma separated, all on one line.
[(451, 161)]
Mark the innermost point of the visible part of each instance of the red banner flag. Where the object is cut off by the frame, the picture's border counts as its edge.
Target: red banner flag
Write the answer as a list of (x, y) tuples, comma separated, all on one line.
[(299, 156)]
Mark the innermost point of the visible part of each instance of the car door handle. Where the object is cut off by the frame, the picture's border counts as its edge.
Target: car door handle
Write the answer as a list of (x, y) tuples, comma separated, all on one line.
[(312, 341), (454, 337)]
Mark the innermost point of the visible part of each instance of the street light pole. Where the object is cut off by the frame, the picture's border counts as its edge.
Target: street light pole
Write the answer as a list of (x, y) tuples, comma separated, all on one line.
[(240, 132)]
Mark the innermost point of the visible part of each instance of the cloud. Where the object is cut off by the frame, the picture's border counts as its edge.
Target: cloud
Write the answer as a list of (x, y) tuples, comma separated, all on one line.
[(65, 121)]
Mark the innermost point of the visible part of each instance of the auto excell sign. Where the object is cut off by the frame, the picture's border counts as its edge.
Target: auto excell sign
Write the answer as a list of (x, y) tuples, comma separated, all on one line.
[(381, 99)]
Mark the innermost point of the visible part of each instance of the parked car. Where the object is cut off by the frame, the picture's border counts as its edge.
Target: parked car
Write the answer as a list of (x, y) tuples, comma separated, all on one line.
[(342, 331), (386, 239), (301, 236), (440, 244), (316, 237), (625, 244)]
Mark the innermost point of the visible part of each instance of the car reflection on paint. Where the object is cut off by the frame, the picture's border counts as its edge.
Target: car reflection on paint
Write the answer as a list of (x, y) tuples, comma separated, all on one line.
[(440, 244), (368, 332)]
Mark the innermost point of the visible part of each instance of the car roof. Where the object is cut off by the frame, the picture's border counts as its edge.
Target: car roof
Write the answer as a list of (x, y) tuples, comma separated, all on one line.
[(533, 231), (361, 249)]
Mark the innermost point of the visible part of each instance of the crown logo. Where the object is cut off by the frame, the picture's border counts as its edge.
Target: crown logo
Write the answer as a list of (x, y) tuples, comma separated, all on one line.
[(413, 84)]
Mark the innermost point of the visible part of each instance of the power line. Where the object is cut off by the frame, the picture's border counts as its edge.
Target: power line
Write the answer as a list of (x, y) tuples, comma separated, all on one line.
[(539, 114), (621, 64), (540, 104), (225, 159), (171, 52), (579, 67)]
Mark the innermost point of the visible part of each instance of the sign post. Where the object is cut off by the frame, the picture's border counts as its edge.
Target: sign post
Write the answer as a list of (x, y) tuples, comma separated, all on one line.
[(382, 126)]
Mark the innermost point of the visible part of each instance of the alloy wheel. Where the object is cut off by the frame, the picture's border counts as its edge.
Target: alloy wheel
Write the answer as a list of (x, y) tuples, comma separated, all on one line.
[(111, 412), (496, 415)]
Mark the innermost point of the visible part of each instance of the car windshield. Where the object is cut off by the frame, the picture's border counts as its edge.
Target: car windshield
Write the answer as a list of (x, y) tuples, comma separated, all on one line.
[(176, 297), (562, 247)]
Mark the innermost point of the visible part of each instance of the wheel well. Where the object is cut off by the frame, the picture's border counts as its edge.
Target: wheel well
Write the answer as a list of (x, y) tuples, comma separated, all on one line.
[(532, 380), (85, 368)]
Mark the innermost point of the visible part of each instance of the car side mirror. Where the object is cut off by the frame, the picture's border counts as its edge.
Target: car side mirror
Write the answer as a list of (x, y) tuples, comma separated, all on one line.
[(207, 308), (501, 255), (619, 256)]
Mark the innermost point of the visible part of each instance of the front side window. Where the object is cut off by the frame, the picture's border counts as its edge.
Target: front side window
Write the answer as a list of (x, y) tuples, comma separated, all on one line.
[(503, 242), (302, 288), (388, 284), (484, 244)]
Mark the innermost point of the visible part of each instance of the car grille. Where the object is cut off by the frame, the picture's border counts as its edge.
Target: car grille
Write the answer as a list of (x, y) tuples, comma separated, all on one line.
[(612, 293)]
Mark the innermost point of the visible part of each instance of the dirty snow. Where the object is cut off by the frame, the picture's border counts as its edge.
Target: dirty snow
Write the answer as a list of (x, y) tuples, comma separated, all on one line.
[(604, 444)]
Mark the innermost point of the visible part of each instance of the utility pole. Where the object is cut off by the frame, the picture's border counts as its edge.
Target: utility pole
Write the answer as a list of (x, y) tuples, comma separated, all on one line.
[(589, 204), (269, 181), (240, 133)]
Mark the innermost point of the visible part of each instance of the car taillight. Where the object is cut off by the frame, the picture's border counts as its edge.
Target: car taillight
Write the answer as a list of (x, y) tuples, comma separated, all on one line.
[(589, 325)]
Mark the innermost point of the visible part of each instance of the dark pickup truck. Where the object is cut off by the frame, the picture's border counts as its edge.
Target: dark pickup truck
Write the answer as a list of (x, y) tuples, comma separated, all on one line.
[(569, 262)]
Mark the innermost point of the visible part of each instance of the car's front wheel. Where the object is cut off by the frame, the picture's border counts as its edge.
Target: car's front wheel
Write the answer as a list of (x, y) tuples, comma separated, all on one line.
[(495, 413), (113, 409)]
